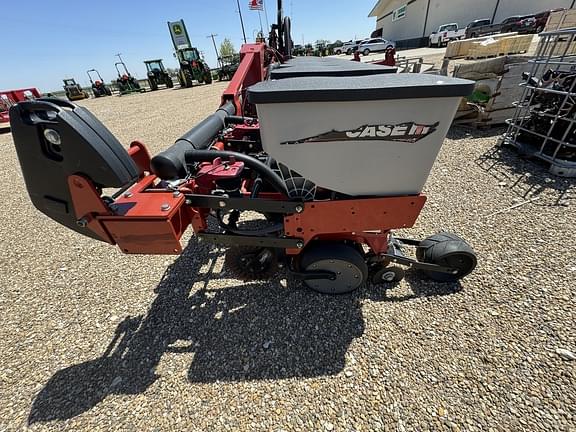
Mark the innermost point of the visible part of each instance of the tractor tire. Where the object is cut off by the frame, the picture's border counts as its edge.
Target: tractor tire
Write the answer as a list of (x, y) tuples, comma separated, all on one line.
[(208, 78), (108, 91), (447, 250), (153, 84), (169, 82), (188, 79)]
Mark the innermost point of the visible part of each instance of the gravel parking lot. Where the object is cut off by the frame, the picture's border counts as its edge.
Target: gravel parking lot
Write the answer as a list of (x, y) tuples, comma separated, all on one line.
[(96, 340)]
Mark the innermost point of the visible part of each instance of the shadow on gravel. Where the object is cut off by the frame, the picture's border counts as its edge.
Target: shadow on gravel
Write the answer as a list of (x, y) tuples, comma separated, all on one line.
[(254, 331), (466, 132), (527, 178)]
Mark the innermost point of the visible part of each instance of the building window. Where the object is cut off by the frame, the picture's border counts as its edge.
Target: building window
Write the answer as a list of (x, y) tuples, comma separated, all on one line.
[(399, 13)]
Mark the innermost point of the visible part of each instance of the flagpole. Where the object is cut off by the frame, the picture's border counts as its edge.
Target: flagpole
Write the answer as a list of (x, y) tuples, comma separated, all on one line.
[(260, 19), (266, 15), (241, 20)]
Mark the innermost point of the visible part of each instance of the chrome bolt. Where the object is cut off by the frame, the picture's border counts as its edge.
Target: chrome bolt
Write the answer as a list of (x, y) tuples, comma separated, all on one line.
[(222, 204), (176, 194), (53, 137), (300, 245), (165, 207), (127, 194), (388, 276), (299, 209), (82, 223)]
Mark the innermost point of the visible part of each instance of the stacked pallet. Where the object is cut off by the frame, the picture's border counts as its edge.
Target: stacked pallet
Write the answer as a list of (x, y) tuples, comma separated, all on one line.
[(499, 47), (460, 48), (496, 92), (561, 45), (561, 20)]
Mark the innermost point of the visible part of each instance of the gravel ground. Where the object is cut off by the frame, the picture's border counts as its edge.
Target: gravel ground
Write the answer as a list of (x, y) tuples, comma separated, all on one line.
[(96, 340)]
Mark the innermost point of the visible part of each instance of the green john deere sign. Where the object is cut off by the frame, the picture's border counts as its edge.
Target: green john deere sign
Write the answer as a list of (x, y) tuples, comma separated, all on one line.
[(179, 35)]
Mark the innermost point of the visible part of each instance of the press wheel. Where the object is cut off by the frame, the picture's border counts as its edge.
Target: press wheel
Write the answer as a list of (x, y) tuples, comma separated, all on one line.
[(447, 250)]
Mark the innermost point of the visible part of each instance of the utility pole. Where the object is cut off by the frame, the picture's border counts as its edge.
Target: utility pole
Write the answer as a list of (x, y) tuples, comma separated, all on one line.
[(495, 11), (241, 20), (212, 36)]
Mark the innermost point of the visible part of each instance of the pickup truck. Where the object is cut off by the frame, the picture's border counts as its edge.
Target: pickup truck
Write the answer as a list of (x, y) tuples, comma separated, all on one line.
[(445, 34), (484, 28)]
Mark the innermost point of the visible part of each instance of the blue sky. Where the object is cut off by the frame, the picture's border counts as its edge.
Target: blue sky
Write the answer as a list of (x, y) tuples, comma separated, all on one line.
[(45, 41)]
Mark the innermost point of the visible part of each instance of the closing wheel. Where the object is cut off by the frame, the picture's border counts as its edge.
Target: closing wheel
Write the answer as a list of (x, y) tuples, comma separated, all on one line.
[(250, 263), (345, 262), (388, 274), (447, 250)]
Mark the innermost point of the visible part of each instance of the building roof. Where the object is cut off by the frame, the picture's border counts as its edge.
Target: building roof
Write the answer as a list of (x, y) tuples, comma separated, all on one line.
[(379, 8)]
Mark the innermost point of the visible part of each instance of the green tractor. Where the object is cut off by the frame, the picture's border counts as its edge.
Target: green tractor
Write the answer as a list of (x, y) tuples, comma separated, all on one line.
[(126, 83), (157, 74), (228, 66), (192, 67)]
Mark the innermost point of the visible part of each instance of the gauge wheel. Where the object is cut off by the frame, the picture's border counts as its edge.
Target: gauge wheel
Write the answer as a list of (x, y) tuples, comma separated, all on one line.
[(345, 262)]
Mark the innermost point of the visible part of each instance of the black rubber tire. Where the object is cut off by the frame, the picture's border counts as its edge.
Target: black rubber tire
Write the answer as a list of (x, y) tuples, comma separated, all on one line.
[(108, 91), (366, 52), (449, 250), (338, 52), (348, 51), (153, 84), (326, 251), (188, 78), (380, 277), (169, 82), (208, 78)]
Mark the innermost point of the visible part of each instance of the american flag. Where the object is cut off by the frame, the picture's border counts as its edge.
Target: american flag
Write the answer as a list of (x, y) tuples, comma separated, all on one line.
[(256, 4)]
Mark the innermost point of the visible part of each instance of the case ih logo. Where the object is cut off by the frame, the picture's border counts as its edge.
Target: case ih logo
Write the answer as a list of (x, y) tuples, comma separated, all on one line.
[(404, 132)]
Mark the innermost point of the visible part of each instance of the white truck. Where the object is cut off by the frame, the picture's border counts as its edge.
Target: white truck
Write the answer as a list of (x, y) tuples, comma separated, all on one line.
[(445, 34)]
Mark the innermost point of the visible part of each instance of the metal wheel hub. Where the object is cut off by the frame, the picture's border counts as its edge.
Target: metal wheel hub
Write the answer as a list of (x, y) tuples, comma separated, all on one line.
[(348, 276), (387, 276)]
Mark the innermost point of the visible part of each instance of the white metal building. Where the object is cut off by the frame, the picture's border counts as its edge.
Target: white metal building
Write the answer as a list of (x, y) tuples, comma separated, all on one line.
[(410, 21)]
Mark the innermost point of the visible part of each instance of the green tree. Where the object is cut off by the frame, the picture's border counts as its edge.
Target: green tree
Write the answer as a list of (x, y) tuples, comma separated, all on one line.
[(227, 48), (322, 42)]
